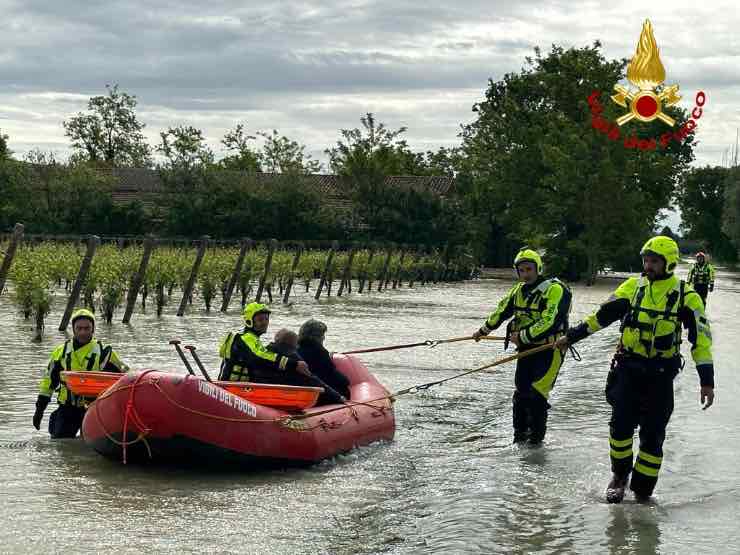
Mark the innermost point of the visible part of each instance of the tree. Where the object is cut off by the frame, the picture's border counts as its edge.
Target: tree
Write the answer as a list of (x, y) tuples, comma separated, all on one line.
[(366, 156), (110, 132), (282, 155), (241, 157), (541, 174), (446, 161), (185, 148), (31, 192), (731, 212), (371, 153), (4, 150), (701, 197), (237, 204)]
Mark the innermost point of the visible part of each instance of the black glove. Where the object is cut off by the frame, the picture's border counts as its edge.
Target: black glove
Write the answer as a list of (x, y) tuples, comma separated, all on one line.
[(41, 403), (711, 288)]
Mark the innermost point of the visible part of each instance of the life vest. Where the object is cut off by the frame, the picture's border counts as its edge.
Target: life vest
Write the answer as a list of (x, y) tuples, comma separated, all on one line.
[(702, 274), (232, 370), (529, 307), (652, 328)]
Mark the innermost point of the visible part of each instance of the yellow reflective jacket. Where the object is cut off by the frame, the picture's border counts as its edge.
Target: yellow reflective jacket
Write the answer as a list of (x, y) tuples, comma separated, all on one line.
[(539, 311), (652, 314), (701, 274), (93, 356), (241, 352)]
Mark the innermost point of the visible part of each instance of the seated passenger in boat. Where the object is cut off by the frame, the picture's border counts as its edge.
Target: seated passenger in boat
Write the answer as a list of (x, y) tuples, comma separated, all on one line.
[(311, 349), (286, 343)]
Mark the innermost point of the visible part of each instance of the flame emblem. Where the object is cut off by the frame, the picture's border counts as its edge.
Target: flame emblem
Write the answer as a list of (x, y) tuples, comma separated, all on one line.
[(646, 72)]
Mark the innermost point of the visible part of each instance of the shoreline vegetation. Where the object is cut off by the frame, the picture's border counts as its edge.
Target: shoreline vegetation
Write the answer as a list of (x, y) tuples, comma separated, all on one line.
[(529, 169)]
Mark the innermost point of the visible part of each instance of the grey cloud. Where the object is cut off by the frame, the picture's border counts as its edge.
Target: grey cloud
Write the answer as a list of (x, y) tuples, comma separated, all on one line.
[(310, 68)]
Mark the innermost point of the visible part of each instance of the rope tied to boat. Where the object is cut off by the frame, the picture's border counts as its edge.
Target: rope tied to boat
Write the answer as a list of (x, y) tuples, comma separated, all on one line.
[(431, 343), (295, 422), (421, 387), (130, 412)]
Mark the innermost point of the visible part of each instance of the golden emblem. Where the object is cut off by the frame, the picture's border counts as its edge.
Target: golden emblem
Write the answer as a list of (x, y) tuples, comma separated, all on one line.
[(646, 72)]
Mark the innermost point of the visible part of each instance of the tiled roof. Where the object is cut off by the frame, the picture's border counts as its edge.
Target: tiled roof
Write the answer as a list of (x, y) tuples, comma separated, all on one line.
[(142, 180)]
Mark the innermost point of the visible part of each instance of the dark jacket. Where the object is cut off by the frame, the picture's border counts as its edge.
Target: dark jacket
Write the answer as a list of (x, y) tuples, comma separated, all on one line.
[(329, 396), (321, 365)]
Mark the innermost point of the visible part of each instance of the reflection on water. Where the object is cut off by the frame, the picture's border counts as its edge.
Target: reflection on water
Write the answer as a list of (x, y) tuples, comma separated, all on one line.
[(451, 482)]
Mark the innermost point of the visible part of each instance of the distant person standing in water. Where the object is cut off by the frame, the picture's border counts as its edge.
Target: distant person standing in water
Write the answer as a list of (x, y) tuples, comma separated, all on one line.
[(701, 277)]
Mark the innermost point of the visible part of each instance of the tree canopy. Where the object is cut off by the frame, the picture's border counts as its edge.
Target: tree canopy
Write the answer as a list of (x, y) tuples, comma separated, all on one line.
[(701, 197), (539, 171), (110, 131)]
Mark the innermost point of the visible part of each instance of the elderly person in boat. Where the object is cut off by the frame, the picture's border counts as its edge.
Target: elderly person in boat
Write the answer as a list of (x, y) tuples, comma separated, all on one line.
[(311, 349), (285, 344)]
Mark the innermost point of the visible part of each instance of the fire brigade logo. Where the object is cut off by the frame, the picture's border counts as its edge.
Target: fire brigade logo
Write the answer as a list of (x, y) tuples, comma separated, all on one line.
[(646, 72)]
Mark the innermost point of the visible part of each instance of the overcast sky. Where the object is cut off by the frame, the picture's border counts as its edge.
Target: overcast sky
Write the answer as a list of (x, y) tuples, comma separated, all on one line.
[(311, 68)]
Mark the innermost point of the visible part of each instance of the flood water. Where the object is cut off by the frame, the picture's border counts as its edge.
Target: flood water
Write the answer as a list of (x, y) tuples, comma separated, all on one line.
[(450, 482)]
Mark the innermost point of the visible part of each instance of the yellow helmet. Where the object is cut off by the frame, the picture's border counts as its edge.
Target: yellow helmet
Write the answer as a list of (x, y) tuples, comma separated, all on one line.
[(528, 255), (664, 247), (82, 313), (251, 310)]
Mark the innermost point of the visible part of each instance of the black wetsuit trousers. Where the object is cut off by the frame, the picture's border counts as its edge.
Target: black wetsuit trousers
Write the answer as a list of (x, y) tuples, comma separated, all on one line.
[(641, 395)]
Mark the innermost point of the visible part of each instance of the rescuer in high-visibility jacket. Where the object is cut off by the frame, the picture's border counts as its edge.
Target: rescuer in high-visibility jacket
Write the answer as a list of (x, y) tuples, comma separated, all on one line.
[(701, 277), (538, 308), (244, 358), (639, 388), (81, 353)]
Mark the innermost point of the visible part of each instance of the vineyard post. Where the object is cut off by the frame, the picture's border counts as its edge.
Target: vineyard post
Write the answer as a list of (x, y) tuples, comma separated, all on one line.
[(296, 259), (347, 271), (193, 275), (92, 244), (385, 268), (15, 240), (138, 279), (364, 274), (327, 267), (246, 245), (268, 264), (400, 270)]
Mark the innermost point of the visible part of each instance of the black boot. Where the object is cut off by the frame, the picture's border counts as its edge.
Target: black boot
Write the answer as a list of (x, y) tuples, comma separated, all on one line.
[(520, 436), (615, 489)]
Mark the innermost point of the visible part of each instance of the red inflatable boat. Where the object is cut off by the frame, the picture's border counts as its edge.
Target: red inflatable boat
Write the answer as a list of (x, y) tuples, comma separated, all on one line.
[(158, 416)]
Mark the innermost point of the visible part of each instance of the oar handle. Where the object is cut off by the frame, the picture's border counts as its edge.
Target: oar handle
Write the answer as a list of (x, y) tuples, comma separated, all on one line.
[(176, 343), (196, 358)]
